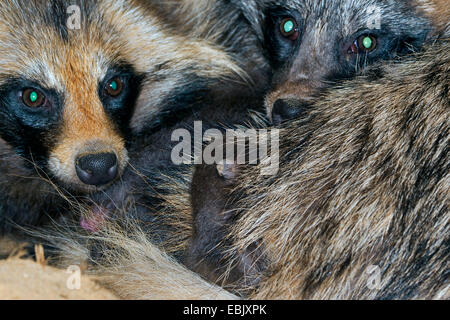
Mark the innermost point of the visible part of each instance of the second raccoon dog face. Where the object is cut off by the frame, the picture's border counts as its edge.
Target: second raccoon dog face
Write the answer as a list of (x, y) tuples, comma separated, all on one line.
[(66, 96), (314, 42)]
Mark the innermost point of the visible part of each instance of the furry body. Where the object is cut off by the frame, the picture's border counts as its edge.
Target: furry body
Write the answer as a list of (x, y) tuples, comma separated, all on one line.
[(300, 77), (363, 187)]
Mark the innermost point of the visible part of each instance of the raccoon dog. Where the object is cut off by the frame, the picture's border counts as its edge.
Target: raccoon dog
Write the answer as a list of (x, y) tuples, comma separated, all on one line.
[(70, 79)]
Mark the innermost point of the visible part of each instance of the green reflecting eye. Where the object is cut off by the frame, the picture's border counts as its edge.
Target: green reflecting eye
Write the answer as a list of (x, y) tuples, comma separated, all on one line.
[(289, 28), (33, 98), (367, 43), (114, 87)]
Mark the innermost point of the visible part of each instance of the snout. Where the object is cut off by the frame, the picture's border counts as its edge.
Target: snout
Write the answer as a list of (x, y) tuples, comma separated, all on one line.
[(283, 110), (291, 100), (97, 169), (87, 165)]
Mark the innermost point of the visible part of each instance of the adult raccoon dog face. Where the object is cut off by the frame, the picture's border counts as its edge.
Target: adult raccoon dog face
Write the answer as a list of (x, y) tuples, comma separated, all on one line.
[(311, 43), (66, 95)]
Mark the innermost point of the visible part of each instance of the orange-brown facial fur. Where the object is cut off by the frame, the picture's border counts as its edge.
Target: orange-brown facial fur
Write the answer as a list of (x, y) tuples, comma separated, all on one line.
[(86, 128)]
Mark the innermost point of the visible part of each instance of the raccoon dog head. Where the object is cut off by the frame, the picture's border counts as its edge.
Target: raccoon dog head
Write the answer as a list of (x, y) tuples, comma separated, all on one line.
[(314, 43)]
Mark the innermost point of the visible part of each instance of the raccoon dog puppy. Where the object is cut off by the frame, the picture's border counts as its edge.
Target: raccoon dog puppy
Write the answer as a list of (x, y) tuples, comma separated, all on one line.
[(289, 32)]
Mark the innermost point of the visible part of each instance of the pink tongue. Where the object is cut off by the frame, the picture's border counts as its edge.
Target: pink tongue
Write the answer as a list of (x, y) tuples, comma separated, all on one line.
[(94, 221)]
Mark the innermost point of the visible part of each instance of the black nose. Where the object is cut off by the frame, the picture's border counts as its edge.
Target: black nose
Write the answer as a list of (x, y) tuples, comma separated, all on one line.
[(97, 169), (288, 109)]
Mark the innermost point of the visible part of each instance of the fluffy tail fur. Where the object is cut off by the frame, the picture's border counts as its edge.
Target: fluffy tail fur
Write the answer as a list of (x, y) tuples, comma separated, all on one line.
[(130, 265)]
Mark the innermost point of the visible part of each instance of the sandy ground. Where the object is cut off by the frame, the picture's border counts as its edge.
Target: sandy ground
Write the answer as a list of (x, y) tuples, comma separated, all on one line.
[(28, 280)]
